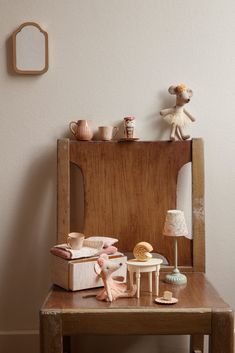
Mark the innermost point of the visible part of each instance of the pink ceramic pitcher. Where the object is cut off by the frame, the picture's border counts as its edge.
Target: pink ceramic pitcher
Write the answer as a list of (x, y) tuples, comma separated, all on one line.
[(81, 130)]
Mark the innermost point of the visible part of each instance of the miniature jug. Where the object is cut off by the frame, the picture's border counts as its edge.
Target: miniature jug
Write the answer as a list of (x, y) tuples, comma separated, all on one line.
[(81, 130)]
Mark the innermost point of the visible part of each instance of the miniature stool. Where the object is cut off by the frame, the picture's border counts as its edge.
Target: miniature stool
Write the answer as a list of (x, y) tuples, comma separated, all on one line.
[(150, 266)]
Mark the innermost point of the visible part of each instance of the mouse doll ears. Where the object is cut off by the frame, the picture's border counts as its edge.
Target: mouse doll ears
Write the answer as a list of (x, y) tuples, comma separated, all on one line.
[(179, 89), (100, 262)]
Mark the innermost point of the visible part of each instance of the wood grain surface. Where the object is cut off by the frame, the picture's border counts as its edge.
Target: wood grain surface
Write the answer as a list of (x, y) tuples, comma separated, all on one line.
[(191, 315), (222, 338), (197, 295), (199, 311), (198, 207), (128, 187), (63, 190)]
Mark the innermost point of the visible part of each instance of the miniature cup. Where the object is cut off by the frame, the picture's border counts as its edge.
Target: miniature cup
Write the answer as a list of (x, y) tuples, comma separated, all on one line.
[(129, 127), (106, 133), (75, 240)]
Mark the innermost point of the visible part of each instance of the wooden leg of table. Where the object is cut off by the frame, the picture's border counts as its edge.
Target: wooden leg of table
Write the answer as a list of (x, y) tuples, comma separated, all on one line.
[(138, 283), (131, 279), (67, 344), (150, 275), (222, 334), (51, 338), (196, 343), (157, 280)]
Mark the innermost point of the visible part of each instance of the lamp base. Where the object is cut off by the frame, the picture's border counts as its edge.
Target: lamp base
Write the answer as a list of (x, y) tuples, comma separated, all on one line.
[(176, 277)]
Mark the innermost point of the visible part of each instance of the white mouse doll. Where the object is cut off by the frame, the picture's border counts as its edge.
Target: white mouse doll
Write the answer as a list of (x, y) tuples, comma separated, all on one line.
[(113, 289), (178, 117)]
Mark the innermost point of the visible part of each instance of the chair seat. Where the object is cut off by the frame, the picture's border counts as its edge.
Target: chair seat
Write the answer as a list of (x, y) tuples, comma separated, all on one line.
[(192, 314), (197, 294)]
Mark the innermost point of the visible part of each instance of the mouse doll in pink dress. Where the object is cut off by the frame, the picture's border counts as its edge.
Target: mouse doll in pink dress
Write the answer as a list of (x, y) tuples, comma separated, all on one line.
[(113, 289), (178, 117)]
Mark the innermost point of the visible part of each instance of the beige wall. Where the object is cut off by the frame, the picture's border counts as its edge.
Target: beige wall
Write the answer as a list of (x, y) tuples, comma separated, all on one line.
[(108, 58)]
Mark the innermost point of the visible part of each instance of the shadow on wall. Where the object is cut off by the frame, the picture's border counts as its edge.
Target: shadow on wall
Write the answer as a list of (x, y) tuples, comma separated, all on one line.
[(26, 276), (9, 56), (155, 122)]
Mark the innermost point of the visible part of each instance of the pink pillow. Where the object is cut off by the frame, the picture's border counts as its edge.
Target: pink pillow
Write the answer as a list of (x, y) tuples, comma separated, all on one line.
[(110, 250), (108, 241)]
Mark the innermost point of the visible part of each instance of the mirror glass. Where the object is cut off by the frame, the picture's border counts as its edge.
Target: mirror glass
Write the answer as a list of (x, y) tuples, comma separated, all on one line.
[(30, 49)]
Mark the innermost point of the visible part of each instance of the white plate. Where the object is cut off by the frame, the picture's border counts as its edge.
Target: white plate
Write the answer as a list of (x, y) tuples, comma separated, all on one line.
[(161, 300)]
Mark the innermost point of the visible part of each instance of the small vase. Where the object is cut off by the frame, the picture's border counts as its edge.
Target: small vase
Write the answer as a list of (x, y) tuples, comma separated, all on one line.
[(81, 130)]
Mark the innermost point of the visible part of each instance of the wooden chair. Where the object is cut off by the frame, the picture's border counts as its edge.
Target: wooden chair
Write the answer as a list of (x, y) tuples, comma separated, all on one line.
[(128, 187)]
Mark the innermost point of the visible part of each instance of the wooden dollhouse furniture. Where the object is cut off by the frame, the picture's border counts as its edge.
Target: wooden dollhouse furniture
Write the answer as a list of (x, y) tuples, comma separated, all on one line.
[(151, 267), (128, 187)]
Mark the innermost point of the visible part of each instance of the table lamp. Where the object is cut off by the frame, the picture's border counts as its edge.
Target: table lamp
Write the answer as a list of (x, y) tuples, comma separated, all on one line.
[(175, 226)]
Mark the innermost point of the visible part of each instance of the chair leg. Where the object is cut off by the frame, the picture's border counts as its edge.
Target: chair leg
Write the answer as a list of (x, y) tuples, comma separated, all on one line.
[(221, 338), (196, 343), (67, 344), (51, 338)]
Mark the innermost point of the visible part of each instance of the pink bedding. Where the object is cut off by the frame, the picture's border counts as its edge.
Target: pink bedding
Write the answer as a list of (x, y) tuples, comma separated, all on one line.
[(110, 250)]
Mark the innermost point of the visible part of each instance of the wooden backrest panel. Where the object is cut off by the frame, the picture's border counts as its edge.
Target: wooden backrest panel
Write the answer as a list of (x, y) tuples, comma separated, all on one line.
[(128, 187)]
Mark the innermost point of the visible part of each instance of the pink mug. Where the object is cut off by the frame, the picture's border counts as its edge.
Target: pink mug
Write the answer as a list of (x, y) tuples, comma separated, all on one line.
[(107, 133)]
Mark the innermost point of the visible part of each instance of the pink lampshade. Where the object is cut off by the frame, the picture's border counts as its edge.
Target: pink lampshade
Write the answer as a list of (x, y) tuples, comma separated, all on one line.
[(175, 225)]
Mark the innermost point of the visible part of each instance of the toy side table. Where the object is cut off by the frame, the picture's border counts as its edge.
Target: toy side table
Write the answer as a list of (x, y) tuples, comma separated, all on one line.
[(151, 266)]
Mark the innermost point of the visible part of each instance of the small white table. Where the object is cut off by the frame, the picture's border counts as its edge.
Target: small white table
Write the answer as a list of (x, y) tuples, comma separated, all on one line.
[(150, 266)]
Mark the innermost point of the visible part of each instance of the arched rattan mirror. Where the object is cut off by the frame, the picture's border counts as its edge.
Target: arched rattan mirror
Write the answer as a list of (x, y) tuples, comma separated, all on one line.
[(30, 49)]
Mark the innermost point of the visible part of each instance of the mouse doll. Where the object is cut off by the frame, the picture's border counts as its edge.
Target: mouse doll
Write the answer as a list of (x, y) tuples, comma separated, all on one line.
[(113, 289), (178, 117)]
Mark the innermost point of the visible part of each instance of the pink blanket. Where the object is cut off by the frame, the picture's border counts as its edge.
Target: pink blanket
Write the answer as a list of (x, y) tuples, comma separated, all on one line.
[(110, 250)]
